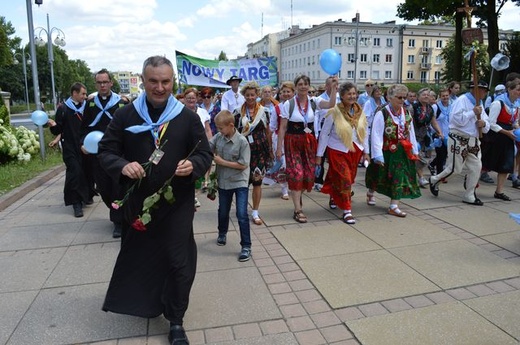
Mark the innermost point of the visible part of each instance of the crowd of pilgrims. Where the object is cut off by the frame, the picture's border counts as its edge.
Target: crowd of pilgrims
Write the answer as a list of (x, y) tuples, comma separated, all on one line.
[(396, 133)]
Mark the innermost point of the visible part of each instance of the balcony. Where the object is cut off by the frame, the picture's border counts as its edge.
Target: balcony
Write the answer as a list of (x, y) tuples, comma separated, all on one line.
[(426, 50), (426, 66)]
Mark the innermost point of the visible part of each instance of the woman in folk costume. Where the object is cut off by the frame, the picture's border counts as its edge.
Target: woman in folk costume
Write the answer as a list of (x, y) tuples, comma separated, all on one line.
[(394, 152), (499, 151), (252, 121), (344, 132)]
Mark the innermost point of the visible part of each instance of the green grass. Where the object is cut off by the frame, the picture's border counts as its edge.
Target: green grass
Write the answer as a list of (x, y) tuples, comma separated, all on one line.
[(14, 174)]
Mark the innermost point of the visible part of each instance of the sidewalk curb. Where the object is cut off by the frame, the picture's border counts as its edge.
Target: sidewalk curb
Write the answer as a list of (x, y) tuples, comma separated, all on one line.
[(9, 198)]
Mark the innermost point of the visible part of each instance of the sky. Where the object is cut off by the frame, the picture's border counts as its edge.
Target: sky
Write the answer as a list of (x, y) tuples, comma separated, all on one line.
[(120, 34)]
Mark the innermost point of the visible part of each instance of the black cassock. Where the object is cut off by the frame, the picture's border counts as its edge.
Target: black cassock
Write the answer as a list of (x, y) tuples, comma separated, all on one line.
[(155, 268), (68, 124)]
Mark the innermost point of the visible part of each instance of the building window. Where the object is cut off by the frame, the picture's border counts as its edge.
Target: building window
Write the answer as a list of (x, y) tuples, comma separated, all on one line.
[(388, 74), (350, 74), (411, 58), (363, 75), (411, 43), (438, 59), (377, 42), (425, 43), (437, 77), (375, 75), (409, 75), (363, 58), (438, 44), (375, 58), (313, 44), (388, 58), (351, 57), (424, 77), (318, 44), (389, 42), (337, 40)]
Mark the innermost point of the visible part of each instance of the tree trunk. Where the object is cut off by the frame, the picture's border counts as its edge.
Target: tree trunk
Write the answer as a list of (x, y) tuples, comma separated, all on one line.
[(457, 65)]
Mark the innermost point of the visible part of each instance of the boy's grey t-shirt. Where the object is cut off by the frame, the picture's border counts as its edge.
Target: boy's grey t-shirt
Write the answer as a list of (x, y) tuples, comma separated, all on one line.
[(234, 149)]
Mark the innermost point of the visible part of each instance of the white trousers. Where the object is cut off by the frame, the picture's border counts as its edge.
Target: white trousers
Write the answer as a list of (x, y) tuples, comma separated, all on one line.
[(463, 152)]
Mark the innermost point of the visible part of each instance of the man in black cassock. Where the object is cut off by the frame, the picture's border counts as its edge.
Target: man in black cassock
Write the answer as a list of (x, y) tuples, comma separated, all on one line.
[(69, 116), (99, 111), (156, 266)]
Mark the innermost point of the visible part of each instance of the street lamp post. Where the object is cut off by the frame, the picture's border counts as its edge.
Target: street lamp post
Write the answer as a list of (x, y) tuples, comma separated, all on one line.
[(355, 39), (59, 41), (26, 59), (401, 29)]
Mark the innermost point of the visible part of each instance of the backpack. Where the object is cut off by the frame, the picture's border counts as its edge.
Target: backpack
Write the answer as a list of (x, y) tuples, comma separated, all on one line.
[(292, 104)]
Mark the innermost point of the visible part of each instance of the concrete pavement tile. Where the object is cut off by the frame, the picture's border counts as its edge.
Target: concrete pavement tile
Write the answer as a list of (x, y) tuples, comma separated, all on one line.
[(96, 231), (455, 263), (27, 269), (206, 221), (330, 241), (44, 235), (85, 264), (212, 257), (351, 279), (310, 337), (240, 296), (69, 315), (502, 310), (394, 232), (479, 221), (449, 323), (249, 330), (13, 306), (509, 241), (274, 339)]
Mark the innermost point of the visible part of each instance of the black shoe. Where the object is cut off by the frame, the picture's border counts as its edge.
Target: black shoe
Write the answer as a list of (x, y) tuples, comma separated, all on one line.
[(477, 202), (432, 169), (117, 231), (502, 196), (221, 240), (434, 188), (78, 210), (516, 184), (245, 254), (89, 201), (177, 336)]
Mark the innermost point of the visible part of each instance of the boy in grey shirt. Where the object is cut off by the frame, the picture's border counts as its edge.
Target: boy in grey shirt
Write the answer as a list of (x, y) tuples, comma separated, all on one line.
[(232, 156)]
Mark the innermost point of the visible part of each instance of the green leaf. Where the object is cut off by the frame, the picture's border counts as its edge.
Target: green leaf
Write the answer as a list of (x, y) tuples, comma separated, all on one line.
[(150, 201), (168, 195), (146, 218)]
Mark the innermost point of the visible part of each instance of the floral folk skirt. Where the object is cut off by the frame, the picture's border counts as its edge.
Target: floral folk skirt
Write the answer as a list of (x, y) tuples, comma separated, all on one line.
[(300, 158)]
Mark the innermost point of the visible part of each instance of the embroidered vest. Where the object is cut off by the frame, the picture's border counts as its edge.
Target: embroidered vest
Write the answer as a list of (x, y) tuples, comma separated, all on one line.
[(391, 138)]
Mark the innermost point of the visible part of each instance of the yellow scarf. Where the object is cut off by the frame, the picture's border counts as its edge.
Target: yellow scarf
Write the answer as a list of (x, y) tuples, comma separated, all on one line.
[(346, 122), (249, 124)]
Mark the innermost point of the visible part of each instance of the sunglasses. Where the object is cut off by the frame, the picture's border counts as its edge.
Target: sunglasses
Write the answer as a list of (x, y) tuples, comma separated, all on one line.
[(312, 92), (400, 97), (369, 84), (206, 96)]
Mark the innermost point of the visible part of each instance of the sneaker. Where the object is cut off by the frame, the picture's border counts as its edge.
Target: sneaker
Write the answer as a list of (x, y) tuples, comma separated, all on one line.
[(78, 210), (423, 182), (516, 184), (484, 177), (197, 202), (318, 187), (221, 240), (332, 204), (245, 254)]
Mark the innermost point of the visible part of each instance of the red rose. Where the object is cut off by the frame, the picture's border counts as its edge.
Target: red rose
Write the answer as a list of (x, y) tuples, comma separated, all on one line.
[(138, 225), (211, 196)]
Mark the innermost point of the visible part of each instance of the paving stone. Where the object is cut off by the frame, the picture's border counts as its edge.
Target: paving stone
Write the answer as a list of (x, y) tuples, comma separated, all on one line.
[(373, 309), (274, 327), (315, 307), (249, 330), (481, 290), (418, 301), (285, 298), (500, 287), (220, 334), (325, 319), (300, 285), (279, 288), (274, 278), (396, 305), (513, 282), (133, 341), (440, 297), (311, 337), (300, 323), (336, 333), (286, 259), (308, 295), (292, 310), (294, 275), (350, 313), (461, 294)]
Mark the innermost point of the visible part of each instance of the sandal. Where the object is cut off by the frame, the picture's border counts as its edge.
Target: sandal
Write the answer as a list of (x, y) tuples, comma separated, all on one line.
[(285, 197), (332, 204), (396, 212), (348, 218), (257, 221), (371, 201), (502, 196), (299, 217)]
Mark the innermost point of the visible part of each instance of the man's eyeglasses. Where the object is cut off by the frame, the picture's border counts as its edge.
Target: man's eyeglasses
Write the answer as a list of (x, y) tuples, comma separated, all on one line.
[(104, 82)]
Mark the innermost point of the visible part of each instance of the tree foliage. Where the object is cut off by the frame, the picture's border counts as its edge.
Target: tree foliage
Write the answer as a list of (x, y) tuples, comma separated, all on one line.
[(512, 50), (449, 73), (222, 56)]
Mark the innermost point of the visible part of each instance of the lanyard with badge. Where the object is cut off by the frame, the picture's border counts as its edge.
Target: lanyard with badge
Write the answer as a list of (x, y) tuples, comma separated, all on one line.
[(157, 134), (304, 111)]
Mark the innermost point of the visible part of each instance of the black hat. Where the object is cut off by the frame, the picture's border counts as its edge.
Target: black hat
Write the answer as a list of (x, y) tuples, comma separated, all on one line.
[(233, 78), (481, 84)]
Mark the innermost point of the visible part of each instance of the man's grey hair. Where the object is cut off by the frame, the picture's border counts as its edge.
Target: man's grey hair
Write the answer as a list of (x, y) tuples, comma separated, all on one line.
[(156, 61)]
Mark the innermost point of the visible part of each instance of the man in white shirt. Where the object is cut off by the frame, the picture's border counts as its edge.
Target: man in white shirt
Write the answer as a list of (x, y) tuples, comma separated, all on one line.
[(464, 143), (369, 84), (232, 99)]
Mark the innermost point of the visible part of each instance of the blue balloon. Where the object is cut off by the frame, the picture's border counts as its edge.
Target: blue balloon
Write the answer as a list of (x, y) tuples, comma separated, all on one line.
[(39, 117), (92, 140), (516, 132), (330, 61)]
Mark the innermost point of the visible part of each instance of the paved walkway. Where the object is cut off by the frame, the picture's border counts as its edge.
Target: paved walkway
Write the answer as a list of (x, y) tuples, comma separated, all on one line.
[(449, 273)]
